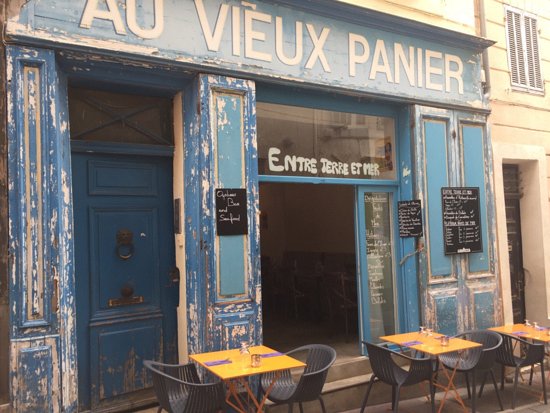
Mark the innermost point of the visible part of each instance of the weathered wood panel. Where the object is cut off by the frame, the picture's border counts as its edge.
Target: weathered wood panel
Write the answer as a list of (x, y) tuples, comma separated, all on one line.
[(224, 287), (292, 41), (461, 290), (40, 232)]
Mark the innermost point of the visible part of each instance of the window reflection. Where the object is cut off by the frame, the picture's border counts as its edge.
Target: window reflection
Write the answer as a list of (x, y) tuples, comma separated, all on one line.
[(302, 141), (380, 263)]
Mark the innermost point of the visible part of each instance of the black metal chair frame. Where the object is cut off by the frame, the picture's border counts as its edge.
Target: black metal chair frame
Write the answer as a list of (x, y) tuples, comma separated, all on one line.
[(387, 370), (530, 354), (309, 387), (476, 360), (179, 390)]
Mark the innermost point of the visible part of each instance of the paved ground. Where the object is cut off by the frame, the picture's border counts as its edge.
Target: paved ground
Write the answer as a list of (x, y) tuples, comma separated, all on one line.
[(528, 401)]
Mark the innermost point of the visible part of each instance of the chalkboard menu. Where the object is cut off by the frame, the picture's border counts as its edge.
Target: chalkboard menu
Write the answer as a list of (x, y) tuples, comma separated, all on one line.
[(231, 217), (410, 218), (461, 221), (379, 262)]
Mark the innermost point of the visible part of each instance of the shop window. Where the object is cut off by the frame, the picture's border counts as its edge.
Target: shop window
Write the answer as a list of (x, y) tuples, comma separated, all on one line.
[(523, 50), (119, 117), (299, 141)]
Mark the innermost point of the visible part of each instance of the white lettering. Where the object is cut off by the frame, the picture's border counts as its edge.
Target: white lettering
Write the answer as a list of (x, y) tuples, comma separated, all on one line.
[(250, 35), (279, 43), (354, 58), (318, 44), (158, 14), (380, 53), (212, 39), (112, 14), (236, 30), (420, 65), (408, 64), (433, 70), (455, 74), (272, 159)]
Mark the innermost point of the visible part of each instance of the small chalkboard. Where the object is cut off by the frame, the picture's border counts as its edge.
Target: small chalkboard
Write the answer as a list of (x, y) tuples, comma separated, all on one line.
[(410, 218), (231, 214), (461, 220)]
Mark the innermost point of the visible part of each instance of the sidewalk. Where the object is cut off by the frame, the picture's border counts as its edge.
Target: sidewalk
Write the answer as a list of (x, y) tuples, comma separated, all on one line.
[(528, 400)]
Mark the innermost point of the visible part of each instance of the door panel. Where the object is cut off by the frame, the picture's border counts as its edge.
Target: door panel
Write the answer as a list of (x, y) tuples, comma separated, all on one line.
[(377, 285), (460, 291), (126, 301)]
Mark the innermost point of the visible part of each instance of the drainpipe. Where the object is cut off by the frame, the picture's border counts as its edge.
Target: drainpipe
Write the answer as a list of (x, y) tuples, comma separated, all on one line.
[(485, 54)]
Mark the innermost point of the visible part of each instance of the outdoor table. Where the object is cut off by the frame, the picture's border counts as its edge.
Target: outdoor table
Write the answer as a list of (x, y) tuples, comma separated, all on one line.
[(529, 332), (525, 331), (431, 344), (235, 369)]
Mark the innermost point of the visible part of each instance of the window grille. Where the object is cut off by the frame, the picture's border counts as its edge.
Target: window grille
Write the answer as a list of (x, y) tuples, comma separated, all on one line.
[(523, 50)]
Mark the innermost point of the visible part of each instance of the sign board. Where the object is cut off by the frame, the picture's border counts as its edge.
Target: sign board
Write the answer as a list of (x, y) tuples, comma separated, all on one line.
[(410, 218), (265, 38), (231, 215), (461, 220)]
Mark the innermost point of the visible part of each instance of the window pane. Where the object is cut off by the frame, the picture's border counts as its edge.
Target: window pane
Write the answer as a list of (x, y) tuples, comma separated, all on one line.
[(118, 117), (312, 142), (380, 263)]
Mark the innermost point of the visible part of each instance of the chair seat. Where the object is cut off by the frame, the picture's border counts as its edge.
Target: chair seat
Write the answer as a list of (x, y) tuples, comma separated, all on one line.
[(285, 391), (282, 392)]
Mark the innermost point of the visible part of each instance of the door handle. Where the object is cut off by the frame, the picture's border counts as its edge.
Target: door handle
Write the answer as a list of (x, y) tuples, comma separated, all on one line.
[(174, 275), (124, 243)]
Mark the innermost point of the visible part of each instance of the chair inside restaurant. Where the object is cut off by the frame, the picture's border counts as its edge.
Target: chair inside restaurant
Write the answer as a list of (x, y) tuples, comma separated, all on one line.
[(309, 280)]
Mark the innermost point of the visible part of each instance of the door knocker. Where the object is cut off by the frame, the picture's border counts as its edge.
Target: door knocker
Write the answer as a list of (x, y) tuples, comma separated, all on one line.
[(124, 244)]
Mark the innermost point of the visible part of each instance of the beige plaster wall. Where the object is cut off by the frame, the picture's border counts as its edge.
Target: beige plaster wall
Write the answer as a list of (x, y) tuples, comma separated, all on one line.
[(453, 15), (520, 133)]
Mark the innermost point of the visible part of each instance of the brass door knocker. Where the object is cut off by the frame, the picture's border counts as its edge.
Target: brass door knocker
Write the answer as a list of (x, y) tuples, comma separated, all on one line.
[(124, 244)]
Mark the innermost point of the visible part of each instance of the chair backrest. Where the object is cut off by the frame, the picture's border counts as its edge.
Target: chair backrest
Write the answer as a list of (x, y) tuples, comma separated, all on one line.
[(387, 370), (179, 385), (530, 353), (318, 361), (491, 341), (381, 361)]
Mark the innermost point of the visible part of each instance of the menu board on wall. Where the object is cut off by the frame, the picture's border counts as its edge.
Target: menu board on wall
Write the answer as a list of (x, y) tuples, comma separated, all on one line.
[(461, 220), (231, 217), (379, 262), (410, 218)]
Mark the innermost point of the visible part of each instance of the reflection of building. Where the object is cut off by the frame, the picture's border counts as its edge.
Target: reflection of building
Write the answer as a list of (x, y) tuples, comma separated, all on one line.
[(122, 124)]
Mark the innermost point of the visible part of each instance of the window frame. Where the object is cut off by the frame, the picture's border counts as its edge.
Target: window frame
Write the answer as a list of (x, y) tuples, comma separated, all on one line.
[(525, 45)]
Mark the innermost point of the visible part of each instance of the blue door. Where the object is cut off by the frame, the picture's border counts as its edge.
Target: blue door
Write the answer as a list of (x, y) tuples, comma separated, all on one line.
[(127, 286)]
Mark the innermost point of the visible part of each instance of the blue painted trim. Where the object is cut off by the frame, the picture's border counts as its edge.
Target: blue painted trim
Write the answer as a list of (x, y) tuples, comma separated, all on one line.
[(361, 242), (316, 180), (52, 207), (436, 159), (321, 99), (474, 165), (407, 271), (121, 148)]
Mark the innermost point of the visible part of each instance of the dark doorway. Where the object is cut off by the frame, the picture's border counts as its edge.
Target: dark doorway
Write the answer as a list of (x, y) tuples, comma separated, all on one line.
[(309, 285), (512, 195)]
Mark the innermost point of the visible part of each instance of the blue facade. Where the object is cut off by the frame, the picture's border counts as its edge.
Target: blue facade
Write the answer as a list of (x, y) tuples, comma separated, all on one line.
[(223, 57)]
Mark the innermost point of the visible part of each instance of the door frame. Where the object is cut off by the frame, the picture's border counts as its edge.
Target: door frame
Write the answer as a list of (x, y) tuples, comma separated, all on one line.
[(363, 290)]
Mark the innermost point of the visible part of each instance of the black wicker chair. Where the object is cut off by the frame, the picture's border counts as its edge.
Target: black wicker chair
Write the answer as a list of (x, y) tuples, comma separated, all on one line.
[(179, 389), (517, 353), (385, 368), (310, 384), (476, 360)]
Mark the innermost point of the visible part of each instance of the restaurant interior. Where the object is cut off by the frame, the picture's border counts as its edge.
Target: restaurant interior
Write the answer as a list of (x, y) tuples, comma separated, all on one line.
[(309, 287)]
